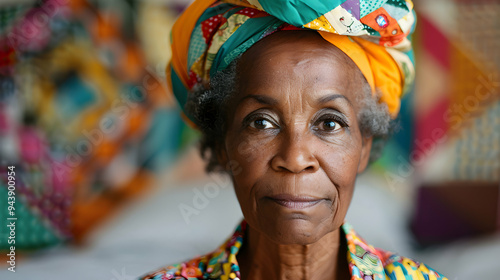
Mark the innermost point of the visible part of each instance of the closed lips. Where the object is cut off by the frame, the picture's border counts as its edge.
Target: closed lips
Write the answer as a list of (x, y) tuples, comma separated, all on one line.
[(295, 202)]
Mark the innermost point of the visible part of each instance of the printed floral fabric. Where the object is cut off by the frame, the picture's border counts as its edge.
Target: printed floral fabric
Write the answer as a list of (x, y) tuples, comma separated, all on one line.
[(365, 262)]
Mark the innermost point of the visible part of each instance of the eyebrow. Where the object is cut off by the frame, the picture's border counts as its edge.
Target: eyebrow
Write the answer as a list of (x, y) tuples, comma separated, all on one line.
[(331, 97), (266, 100)]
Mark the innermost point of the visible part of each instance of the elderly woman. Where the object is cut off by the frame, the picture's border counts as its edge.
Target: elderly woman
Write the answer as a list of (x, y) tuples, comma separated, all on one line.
[(290, 97)]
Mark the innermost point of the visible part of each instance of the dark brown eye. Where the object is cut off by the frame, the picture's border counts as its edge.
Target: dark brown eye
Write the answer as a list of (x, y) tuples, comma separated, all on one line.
[(329, 125), (261, 124)]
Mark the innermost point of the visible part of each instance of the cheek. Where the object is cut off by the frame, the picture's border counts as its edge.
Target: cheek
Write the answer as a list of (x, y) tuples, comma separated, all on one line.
[(246, 150), (250, 152), (341, 157), (340, 163), (251, 155)]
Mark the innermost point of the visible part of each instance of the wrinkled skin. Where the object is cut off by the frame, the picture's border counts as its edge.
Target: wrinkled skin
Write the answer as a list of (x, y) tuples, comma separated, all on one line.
[(293, 133)]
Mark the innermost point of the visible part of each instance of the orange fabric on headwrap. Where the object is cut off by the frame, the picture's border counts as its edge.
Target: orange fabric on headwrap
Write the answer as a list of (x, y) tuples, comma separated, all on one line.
[(376, 64), (210, 34)]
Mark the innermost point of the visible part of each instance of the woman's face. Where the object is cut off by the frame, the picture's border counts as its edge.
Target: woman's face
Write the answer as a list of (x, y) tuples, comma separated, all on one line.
[(294, 137)]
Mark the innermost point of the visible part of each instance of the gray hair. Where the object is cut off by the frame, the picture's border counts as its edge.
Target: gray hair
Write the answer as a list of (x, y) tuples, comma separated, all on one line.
[(208, 107)]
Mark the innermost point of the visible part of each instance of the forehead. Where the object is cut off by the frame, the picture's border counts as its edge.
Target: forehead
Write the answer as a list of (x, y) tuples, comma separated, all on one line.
[(302, 60)]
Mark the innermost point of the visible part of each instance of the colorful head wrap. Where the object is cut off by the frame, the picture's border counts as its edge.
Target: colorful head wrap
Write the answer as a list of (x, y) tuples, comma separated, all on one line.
[(210, 34)]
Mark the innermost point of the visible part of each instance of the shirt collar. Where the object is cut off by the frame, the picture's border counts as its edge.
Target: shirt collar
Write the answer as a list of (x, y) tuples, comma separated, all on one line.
[(365, 262), (364, 259)]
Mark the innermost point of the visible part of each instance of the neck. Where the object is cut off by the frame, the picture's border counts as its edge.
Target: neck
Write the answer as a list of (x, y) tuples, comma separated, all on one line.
[(262, 258)]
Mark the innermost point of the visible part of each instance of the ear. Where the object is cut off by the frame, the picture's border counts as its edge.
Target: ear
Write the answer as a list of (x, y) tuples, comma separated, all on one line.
[(365, 153)]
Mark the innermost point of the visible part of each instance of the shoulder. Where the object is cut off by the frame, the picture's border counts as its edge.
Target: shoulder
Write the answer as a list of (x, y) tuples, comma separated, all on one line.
[(219, 264), (399, 267), (212, 266), (375, 263)]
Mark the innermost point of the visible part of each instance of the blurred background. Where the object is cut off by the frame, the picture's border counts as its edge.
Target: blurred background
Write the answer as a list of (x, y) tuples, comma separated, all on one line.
[(109, 183)]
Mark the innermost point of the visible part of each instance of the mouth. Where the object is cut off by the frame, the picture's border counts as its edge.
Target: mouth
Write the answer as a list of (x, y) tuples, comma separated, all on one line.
[(295, 202)]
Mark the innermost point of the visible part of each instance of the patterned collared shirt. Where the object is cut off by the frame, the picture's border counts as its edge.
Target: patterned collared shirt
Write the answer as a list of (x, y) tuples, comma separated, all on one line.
[(365, 262)]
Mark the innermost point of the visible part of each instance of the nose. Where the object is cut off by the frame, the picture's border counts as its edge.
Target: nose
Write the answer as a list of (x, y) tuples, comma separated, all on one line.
[(295, 155)]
